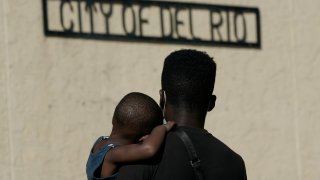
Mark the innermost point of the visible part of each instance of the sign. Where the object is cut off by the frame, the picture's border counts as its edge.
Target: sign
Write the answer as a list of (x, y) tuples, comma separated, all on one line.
[(153, 22)]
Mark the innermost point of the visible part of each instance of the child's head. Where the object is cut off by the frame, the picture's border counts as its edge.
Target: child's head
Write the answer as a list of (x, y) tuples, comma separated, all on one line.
[(136, 115)]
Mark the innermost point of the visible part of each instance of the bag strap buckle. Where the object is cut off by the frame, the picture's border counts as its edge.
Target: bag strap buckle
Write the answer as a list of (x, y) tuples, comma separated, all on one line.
[(195, 163)]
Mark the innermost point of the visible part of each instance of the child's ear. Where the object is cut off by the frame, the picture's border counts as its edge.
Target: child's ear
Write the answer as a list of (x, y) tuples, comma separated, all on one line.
[(143, 138)]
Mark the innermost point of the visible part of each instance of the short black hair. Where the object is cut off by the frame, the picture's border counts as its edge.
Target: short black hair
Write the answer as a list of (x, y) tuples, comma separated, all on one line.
[(188, 78), (137, 111)]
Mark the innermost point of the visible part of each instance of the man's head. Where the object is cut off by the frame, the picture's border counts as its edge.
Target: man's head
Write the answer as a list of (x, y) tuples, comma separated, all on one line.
[(188, 79), (136, 115)]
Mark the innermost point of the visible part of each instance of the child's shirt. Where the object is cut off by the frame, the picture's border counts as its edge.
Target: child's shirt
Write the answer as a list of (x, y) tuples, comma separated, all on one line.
[(95, 161)]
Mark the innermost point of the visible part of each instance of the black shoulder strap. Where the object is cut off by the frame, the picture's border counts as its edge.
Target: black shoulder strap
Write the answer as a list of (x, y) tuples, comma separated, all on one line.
[(194, 159)]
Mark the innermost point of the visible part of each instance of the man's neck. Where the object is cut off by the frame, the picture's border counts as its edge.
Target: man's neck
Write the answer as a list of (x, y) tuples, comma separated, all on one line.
[(185, 117)]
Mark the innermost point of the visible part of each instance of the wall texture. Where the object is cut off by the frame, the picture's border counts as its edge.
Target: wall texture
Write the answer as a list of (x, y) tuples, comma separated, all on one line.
[(57, 95), (5, 161)]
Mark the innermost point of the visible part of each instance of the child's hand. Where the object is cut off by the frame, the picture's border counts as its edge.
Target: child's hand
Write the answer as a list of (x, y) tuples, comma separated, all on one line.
[(143, 138), (169, 125)]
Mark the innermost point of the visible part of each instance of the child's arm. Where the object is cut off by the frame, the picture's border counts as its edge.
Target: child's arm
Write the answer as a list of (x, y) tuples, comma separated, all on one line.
[(135, 152), (145, 150)]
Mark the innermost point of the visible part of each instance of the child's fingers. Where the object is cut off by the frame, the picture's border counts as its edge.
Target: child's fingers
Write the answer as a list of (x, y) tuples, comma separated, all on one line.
[(143, 138), (169, 125)]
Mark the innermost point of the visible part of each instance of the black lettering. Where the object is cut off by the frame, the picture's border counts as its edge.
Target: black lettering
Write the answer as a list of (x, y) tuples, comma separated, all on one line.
[(142, 20), (79, 16), (124, 22), (244, 36), (215, 25), (178, 22), (228, 25), (62, 16), (91, 8), (106, 14), (164, 35), (191, 25)]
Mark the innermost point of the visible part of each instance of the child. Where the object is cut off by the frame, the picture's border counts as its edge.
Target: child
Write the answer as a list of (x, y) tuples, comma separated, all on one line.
[(136, 116)]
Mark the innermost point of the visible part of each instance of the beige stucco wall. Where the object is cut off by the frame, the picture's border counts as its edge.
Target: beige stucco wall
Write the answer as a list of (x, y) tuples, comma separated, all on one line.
[(57, 95), (5, 161)]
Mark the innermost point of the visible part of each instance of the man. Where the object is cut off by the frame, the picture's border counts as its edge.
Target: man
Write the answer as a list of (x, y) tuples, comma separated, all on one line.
[(188, 79)]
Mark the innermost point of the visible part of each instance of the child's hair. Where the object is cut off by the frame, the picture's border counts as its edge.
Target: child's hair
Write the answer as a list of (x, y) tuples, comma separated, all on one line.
[(137, 112)]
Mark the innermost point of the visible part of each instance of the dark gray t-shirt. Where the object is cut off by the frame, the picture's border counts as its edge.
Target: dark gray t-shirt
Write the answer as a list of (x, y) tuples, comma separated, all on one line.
[(218, 161)]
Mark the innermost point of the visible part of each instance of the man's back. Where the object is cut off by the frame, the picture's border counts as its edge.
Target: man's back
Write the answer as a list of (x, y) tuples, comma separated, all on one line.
[(218, 162)]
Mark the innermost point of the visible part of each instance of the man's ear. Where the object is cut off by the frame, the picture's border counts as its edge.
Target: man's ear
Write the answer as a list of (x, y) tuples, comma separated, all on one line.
[(162, 99), (212, 102)]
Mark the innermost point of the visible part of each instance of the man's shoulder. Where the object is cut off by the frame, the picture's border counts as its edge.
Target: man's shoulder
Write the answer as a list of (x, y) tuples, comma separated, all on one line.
[(218, 161), (205, 142)]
